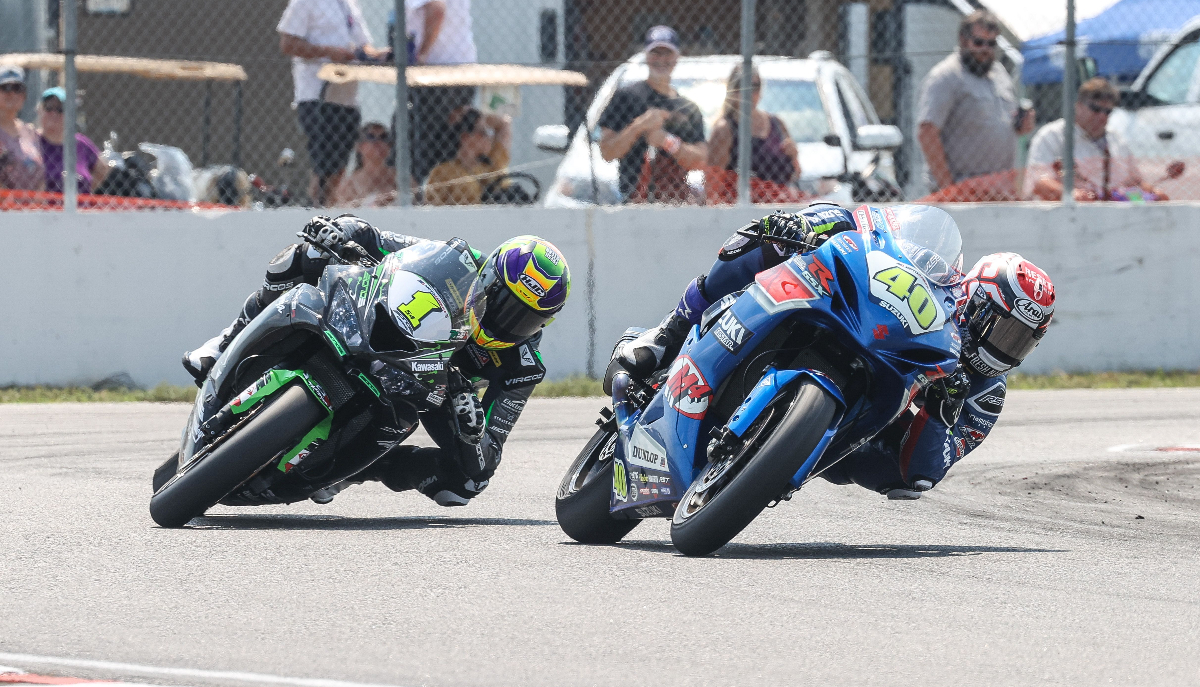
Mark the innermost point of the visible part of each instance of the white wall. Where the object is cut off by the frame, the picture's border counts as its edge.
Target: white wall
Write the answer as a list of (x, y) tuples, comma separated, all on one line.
[(97, 294)]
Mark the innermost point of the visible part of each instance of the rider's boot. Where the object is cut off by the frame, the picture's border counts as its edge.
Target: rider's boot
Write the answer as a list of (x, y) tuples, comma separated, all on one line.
[(658, 346), (413, 467), (199, 361)]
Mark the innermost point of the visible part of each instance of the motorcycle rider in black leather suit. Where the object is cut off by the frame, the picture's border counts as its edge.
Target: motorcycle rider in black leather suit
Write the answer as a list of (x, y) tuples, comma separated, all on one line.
[(469, 450), (1004, 308)]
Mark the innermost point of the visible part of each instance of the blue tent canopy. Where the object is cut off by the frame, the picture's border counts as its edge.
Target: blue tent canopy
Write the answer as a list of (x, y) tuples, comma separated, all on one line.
[(1122, 39)]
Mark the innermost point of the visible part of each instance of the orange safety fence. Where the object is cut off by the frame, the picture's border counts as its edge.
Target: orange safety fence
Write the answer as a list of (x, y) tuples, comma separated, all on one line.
[(720, 188), (45, 200)]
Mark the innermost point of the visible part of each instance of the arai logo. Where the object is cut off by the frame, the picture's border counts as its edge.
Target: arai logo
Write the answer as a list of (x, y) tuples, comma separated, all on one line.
[(1029, 310)]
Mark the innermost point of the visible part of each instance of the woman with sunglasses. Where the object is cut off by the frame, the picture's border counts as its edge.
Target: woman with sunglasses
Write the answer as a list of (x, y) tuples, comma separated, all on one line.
[(484, 141), (373, 182), (21, 165), (90, 169), (773, 154)]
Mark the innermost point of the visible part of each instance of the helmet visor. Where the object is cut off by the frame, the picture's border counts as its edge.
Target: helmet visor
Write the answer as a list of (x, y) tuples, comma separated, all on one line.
[(507, 318), (1011, 338)]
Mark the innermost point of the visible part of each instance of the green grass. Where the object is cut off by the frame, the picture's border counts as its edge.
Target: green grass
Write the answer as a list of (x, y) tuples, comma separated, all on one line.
[(163, 393), (581, 386), (576, 385), (1106, 380)]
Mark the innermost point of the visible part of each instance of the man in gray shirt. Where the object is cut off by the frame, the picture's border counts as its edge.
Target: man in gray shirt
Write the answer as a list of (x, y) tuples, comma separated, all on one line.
[(968, 116)]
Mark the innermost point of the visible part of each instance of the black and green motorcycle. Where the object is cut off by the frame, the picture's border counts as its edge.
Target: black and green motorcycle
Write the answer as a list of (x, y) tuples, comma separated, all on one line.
[(313, 370)]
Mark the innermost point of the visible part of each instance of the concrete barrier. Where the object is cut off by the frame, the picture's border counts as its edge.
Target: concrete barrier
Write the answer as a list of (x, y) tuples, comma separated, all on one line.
[(96, 294)]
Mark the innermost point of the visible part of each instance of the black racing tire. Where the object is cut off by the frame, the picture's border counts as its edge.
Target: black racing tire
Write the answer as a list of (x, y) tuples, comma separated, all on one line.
[(705, 522), (163, 473), (583, 495), (276, 428)]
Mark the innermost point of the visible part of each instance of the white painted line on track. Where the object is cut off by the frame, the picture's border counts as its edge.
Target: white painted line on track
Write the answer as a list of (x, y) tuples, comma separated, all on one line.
[(1146, 448), (238, 676)]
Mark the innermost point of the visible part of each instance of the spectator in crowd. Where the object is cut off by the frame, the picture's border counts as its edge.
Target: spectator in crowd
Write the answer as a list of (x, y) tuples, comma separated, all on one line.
[(968, 114), (441, 33), (1104, 164), (773, 153), (372, 182), (90, 169), (484, 141), (314, 32), (21, 165), (651, 113)]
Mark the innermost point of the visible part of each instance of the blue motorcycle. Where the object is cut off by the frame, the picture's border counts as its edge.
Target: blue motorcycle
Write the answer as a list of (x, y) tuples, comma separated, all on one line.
[(777, 383)]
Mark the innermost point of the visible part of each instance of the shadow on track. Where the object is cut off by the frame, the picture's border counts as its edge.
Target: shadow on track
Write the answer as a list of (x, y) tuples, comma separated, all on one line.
[(335, 522), (836, 551)]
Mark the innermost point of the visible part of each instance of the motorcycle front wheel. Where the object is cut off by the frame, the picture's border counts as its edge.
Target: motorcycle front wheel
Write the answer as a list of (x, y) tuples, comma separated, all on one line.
[(275, 429), (583, 495), (731, 492)]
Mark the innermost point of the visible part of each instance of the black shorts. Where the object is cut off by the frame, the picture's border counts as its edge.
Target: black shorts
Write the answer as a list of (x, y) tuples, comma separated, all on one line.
[(332, 131)]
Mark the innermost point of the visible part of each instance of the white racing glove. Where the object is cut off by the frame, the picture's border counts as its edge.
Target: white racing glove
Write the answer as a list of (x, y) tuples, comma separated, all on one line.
[(471, 420)]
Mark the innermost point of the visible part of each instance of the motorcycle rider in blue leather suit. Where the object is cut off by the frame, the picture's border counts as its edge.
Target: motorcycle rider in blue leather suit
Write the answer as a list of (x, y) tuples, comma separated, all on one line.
[(1005, 307)]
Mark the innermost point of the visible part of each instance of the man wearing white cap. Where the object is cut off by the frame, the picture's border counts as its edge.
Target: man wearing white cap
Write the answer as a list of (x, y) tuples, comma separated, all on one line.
[(649, 115)]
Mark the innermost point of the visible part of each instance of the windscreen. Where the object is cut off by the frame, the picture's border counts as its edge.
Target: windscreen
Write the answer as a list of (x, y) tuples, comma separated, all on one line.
[(447, 267), (929, 238)]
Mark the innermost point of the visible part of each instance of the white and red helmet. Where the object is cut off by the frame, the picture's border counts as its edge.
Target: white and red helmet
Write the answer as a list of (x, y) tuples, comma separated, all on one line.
[(1009, 305)]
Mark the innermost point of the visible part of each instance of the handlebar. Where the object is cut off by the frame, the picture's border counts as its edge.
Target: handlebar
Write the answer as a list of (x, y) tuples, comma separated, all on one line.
[(757, 233)]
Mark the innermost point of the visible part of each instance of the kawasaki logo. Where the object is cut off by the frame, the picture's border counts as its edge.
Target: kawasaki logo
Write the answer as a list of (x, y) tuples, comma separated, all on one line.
[(437, 366)]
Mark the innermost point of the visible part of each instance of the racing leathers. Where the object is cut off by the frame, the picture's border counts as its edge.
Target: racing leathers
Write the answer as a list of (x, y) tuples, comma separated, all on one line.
[(468, 447), (911, 454)]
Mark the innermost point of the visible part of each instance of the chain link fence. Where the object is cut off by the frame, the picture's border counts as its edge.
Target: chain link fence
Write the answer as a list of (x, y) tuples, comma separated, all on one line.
[(577, 102)]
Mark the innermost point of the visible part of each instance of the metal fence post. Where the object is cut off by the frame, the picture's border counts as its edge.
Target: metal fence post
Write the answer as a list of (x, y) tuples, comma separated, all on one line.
[(746, 104), (400, 135), (70, 199), (1069, 88)]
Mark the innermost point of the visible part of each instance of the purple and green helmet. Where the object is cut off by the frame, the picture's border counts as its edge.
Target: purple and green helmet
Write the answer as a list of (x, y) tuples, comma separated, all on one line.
[(520, 288)]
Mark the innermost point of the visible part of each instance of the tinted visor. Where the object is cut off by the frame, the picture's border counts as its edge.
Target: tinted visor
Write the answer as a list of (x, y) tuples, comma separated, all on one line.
[(1010, 339), (507, 318)]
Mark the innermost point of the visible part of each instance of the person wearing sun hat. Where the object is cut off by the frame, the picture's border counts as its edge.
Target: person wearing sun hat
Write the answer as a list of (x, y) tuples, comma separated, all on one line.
[(21, 166), (90, 169), (649, 115)]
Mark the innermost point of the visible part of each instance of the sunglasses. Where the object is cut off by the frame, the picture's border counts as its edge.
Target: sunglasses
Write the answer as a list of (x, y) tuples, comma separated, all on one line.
[(383, 138), (1098, 110), (12, 88), (57, 109), (981, 42)]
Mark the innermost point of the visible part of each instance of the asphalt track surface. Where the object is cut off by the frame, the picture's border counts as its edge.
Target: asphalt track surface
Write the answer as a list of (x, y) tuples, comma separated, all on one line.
[(1027, 565)]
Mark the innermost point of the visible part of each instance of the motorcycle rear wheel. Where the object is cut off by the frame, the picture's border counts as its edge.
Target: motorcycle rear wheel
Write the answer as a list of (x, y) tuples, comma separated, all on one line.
[(583, 495), (277, 428), (716, 507)]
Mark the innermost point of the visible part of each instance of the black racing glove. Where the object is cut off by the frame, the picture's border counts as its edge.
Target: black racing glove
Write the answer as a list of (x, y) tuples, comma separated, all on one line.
[(944, 398), (794, 226)]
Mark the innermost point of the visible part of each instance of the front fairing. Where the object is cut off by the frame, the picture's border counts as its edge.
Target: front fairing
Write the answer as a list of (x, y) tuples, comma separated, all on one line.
[(419, 291), (841, 288)]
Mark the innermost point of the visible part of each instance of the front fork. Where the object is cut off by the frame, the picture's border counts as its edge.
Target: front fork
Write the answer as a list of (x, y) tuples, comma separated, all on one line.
[(773, 383)]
